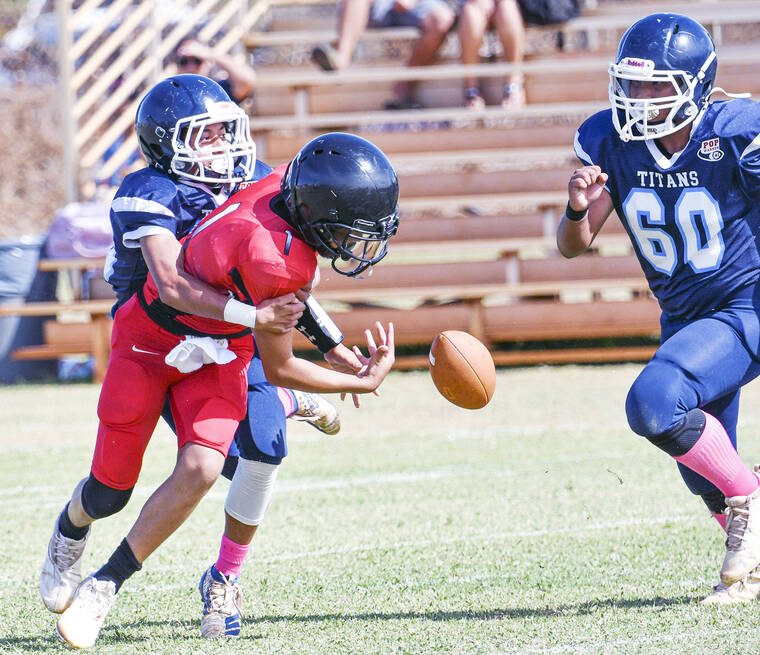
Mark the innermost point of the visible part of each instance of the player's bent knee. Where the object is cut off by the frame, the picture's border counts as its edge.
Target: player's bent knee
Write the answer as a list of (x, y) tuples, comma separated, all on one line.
[(652, 405), (100, 500), (198, 467), (250, 491)]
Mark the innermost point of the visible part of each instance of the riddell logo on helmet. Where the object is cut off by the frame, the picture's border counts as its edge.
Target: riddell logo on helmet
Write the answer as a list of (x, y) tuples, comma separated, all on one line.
[(710, 150), (633, 65)]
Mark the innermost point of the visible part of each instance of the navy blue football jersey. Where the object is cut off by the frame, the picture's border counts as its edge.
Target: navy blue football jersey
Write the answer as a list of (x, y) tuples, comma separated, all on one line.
[(150, 202), (693, 217)]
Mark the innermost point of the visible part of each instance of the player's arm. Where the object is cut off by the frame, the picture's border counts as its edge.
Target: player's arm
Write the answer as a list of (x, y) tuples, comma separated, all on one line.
[(589, 204), (284, 369), (193, 296)]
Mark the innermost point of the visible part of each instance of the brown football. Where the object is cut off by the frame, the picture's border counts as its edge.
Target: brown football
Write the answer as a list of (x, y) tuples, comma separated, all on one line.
[(462, 369)]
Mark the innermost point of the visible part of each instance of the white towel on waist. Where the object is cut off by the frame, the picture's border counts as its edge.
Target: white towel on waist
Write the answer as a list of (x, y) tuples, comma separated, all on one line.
[(193, 352)]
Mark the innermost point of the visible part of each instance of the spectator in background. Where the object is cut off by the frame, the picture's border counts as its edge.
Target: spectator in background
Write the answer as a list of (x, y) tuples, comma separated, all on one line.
[(508, 18), (199, 59), (433, 18), (503, 16)]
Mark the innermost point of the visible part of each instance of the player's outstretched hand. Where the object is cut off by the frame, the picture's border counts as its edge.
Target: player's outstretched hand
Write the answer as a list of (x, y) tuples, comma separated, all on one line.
[(280, 314), (345, 360), (382, 355), (586, 185)]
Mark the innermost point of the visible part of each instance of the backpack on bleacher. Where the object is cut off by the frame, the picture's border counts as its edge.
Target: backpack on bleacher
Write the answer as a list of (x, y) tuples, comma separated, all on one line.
[(548, 12)]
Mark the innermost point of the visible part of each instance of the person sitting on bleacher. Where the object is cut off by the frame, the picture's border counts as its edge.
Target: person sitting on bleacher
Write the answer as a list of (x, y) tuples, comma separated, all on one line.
[(508, 18), (198, 58), (434, 18), (504, 17)]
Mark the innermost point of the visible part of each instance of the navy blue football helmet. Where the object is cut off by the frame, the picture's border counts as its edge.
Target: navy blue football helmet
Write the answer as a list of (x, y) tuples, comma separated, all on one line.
[(170, 122), (669, 49), (342, 195)]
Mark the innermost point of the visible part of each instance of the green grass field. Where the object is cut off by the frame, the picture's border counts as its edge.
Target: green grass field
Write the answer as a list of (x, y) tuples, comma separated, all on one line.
[(539, 524)]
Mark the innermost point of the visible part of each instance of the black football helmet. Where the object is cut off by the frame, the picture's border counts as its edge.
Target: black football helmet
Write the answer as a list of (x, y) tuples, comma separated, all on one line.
[(342, 195), (170, 121), (670, 49)]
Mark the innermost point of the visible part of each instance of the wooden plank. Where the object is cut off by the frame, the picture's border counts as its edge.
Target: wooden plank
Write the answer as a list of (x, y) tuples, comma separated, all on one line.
[(71, 263), (584, 267), (93, 307), (566, 111), (474, 182), (51, 351), (530, 320), (548, 356), (486, 203), (477, 292), (57, 333), (541, 321), (551, 269), (282, 146)]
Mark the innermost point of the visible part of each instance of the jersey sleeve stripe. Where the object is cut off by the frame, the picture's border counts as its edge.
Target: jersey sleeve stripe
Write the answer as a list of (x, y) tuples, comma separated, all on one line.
[(132, 239), (751, 147), (580, 153), (132, 204)]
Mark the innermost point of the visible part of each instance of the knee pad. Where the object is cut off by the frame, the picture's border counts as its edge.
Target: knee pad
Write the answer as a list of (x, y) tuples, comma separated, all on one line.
[(250, 491), (100, 500), (652, 405), (679, 440)]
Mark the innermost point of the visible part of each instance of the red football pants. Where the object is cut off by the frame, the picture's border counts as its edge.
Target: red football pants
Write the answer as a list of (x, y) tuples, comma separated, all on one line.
[(207, 404)]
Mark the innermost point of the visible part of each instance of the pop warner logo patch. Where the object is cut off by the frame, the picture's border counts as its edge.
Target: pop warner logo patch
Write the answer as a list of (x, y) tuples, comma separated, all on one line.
[(710, 150)]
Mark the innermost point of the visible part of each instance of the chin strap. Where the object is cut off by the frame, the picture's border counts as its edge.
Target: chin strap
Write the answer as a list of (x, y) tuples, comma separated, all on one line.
[(719, 89)]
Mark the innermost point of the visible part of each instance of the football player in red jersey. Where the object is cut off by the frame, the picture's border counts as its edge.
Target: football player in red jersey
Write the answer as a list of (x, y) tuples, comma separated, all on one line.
[(337, 198)]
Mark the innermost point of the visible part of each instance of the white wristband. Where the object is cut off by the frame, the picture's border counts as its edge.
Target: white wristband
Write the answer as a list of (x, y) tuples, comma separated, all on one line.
[(240, 313)]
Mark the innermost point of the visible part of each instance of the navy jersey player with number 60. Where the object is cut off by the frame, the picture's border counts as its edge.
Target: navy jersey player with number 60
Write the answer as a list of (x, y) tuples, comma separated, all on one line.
[(683, 175)]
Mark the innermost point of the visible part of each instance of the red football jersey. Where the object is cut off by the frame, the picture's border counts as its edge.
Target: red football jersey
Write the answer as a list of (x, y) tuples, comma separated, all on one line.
[(244, 247)]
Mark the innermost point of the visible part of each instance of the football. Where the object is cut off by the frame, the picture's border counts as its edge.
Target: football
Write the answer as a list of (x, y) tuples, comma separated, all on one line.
[(462, 369)]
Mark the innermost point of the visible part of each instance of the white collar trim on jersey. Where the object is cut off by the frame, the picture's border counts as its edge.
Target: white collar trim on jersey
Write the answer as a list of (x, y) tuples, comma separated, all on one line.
[(219, 198), (667, 162)]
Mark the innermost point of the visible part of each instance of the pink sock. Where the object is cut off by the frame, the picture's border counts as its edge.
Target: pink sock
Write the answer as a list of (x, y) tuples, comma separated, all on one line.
[(231, 557), (287, 399), (714, 458), (721, 519)]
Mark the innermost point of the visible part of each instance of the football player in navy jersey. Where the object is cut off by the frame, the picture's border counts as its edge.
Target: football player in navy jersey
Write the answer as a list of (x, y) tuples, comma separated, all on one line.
[(683, 175), (198, 146)]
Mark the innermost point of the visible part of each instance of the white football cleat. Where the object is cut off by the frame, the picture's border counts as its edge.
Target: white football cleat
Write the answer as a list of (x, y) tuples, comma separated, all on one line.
[(80, 624), (61, 571), (743, 537), (222, 605), (742, 591), (317, 411)]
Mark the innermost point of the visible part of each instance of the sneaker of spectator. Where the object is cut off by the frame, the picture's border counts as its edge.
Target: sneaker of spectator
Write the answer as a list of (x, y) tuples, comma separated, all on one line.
[(505, 18)]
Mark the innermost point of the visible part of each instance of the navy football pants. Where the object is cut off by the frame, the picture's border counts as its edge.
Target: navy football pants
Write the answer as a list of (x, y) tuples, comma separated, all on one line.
[(700, 364)]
